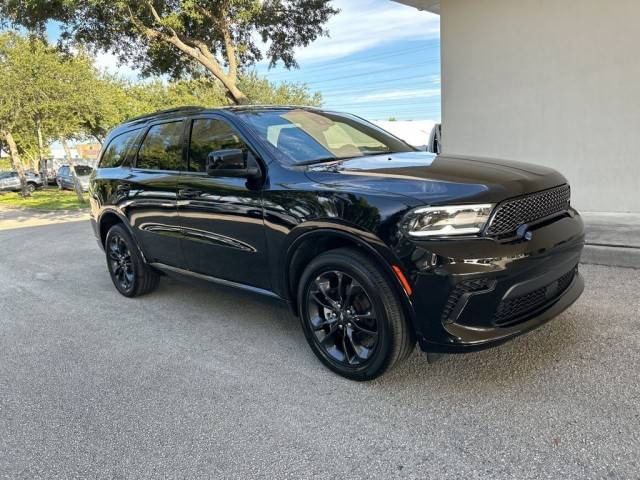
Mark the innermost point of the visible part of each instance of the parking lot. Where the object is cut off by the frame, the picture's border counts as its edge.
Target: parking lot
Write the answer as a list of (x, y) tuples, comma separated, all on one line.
[(190, 382)]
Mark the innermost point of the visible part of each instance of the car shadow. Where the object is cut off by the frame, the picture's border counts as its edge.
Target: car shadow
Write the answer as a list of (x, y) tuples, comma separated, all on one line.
[(506, 365)]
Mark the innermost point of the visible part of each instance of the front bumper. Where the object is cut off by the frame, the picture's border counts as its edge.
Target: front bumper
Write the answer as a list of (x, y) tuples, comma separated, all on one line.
[(471, 294)]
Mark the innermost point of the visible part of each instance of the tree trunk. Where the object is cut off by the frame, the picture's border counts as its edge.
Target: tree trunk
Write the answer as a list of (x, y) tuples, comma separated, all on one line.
[(72, 166), (42, 164), (17, 163)]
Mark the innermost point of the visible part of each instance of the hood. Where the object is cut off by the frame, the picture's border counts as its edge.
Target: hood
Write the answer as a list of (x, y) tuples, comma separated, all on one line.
[(432, 179)]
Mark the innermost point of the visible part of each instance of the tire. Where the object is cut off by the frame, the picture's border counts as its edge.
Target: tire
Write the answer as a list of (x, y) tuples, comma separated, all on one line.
[(129, 273), (347, 304), (31, 187)]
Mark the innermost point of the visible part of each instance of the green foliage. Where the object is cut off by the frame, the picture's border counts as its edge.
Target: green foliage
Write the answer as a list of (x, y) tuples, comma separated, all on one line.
[(183, 37), (261, 91), (73, 100), (43, 86)]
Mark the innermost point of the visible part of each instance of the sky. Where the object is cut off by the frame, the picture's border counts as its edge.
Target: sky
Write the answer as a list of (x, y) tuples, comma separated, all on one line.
[(381, 61)]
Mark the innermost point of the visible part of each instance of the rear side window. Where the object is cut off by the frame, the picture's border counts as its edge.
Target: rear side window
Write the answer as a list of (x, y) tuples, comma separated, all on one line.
[(161, 148), (116, 152), (209, 135)]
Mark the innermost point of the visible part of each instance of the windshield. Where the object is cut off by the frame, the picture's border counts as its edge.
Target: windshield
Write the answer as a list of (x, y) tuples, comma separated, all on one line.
[(83, 170), (303, 136)]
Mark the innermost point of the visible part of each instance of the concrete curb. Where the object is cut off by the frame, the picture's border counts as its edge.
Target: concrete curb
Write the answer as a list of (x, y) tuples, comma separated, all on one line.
[(614, 256)]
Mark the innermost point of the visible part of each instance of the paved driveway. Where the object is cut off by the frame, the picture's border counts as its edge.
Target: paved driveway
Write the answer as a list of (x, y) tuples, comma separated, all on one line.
[(191, 382)]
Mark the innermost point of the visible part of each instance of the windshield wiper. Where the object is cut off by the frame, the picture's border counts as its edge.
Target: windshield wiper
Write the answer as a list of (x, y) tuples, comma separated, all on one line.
[(320, 160), (337, 159)]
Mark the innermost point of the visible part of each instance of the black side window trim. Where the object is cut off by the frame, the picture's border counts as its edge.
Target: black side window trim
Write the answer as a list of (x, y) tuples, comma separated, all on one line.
[(212, 116), (134, 159)]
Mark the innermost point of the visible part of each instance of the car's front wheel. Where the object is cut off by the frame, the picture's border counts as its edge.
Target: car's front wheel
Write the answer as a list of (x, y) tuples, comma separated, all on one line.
[(130, 275), (352, 316)]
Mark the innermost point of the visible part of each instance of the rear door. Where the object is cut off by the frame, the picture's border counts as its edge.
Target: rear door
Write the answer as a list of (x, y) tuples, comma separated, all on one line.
[(221, 217), (151, 191)]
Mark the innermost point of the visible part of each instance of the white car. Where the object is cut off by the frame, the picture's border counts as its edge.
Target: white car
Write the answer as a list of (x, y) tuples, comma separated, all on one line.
[(10, 181)]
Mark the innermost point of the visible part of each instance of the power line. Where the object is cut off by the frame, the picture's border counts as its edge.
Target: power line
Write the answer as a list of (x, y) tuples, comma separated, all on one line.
[(395, 108), (382, 82), (373, 72), (387, 103), (340, 65)]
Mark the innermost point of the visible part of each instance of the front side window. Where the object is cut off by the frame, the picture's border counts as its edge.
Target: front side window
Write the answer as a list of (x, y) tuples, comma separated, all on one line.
[(209, 135), (116, 152), (161, 148), (303, 136)]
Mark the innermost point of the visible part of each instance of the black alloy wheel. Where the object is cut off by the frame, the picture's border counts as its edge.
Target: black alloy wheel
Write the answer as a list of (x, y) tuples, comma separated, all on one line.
[(120, 262), (352, 316), (343, 318), (129, 273)]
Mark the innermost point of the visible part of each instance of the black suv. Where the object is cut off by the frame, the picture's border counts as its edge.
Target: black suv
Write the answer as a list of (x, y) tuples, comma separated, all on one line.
[(373, 244)]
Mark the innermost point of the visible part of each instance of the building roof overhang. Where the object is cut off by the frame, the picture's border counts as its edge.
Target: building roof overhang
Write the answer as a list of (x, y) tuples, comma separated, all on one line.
[(429, 5)]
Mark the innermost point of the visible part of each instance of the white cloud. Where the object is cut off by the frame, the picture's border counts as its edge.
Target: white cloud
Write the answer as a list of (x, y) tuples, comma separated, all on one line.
[(398, 95), (363, 24)]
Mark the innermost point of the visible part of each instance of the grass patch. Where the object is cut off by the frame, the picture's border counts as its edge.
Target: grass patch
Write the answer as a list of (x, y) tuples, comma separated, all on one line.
[(44, 199)]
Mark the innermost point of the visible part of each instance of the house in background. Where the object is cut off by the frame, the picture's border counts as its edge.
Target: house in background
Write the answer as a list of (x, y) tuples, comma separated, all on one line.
[(549, 82)]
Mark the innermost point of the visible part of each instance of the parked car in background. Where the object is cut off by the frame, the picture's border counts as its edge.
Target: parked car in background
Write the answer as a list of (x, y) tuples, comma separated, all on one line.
[(374, 244), (51, 167), (64, 179), (10, 181)]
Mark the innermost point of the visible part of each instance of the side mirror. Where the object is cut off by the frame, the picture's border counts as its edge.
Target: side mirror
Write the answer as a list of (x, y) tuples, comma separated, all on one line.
[(230, 163)]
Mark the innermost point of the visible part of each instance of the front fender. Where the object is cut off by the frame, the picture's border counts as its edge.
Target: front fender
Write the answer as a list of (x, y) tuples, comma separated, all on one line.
[(325, 232)]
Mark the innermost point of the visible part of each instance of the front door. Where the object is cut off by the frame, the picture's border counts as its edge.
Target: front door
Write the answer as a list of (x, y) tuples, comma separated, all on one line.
[(150, 193), (221, 217)]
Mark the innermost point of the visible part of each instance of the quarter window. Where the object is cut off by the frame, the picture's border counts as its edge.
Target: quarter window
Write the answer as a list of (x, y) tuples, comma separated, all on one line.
[(115, 154), (209, 135), (162, 148)]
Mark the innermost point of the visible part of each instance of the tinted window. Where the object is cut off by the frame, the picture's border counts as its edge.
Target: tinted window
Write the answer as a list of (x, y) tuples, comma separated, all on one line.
[(116, 152), (162, 148), (298, 136), (83, 170), (209, 135)]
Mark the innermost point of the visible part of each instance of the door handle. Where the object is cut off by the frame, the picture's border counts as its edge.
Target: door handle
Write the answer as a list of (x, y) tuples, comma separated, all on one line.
[(189, 193)]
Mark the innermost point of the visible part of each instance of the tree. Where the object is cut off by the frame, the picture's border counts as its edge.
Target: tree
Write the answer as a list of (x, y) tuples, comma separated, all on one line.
[(178, 37), (14, 104), (45, 96)]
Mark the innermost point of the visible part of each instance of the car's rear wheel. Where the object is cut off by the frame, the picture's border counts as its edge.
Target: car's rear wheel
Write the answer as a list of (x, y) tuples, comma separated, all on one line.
[(352, 316), (130, 275)]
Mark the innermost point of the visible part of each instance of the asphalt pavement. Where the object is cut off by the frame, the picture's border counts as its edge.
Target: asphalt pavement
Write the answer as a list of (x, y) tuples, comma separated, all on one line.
[(209, 382)]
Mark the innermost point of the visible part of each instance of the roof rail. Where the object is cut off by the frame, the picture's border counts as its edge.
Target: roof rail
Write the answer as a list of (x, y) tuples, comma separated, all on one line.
[(163, 112)]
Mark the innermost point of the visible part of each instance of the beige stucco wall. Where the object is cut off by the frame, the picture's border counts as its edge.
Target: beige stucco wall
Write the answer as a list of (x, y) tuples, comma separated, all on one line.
[(554, 82)]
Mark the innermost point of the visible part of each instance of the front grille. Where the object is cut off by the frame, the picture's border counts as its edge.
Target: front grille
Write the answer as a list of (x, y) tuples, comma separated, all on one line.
[(513, 213), (462, 288), (512, 309)]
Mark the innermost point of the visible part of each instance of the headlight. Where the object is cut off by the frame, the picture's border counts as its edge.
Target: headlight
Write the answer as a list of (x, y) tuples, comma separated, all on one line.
[(447, 220)]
